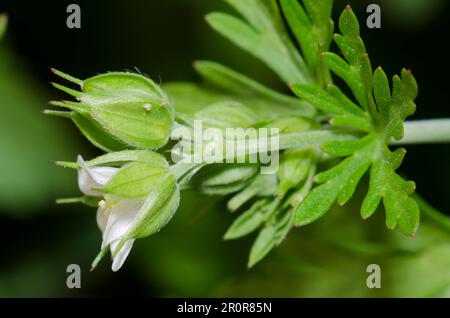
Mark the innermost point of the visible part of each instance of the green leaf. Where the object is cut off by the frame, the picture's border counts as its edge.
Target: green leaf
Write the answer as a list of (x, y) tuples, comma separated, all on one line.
[(404, 93), (270, 236), (382, 92), (224, 180), (334, 102), (264, 243), (313, 28), (348, 23), (400, 208), (381, 116), (263, 185), (339, 183), (319, 11), (231, 173), (264, 36), (234, 83), (189, 98), (357, 71), (248, 221)]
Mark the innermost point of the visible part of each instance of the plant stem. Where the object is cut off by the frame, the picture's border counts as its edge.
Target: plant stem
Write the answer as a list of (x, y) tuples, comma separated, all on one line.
[(242, 148), (426, 132)]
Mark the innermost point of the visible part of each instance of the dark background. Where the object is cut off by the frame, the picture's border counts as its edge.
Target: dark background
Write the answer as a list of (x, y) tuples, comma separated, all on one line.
[(162, 38)]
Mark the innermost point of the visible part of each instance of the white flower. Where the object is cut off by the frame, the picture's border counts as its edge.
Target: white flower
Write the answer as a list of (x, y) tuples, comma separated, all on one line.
[(115, 217), (91, 178)]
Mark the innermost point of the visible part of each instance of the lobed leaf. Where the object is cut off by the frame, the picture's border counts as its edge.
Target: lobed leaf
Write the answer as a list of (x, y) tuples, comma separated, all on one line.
[(356, 71), (263, 36), (313, 28), (396, 193), (335, 103), (234, 83), (381, 117), (339, 183)]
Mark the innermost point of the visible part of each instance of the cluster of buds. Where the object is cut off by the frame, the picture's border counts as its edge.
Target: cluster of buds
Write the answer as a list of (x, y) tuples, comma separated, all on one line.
[(128, 116)]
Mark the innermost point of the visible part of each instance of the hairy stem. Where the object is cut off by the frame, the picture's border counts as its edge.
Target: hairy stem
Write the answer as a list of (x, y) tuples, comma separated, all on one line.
[(426, 132), (242, 148)]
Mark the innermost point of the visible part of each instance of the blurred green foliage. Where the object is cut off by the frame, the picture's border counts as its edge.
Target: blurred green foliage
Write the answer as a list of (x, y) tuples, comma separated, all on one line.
[(28, 142)]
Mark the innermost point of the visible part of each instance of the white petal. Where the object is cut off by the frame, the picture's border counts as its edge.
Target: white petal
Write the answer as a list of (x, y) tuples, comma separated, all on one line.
[(120, 220), (102, 218), (120, 258), (93, 177)]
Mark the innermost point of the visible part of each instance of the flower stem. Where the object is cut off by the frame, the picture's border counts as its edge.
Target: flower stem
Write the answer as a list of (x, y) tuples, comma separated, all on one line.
[(426, 132)]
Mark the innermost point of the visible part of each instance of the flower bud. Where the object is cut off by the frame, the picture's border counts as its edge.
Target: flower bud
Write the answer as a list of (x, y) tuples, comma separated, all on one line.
[(288, 125), (128, 107), (138, 199)]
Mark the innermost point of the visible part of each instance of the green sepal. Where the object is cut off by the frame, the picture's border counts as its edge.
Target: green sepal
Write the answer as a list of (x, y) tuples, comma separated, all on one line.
[(119, 158), (262, 185), (249, 221), (221, 179), (96, 134), (271, 236), (136, 180)]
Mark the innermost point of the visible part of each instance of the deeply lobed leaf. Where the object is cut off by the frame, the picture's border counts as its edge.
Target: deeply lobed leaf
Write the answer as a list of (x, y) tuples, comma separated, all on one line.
[(263, 36), (381, 116)]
